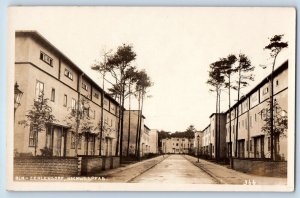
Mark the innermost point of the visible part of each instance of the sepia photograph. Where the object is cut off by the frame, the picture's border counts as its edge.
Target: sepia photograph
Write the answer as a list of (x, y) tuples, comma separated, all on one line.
[(151, 98)]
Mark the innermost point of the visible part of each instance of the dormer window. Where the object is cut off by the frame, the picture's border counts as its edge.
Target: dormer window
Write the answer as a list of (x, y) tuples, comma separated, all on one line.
[(47, 59), (68, 74), (84, 86)]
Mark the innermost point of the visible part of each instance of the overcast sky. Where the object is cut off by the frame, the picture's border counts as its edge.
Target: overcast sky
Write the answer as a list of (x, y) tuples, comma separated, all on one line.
[(174, 45)]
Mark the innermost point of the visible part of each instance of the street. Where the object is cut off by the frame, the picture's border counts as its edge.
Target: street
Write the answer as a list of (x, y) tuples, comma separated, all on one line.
[(175, 169)]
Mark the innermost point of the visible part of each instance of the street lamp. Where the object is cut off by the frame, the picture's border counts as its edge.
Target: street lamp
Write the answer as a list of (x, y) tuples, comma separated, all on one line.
[(198, 138), (17, 99)]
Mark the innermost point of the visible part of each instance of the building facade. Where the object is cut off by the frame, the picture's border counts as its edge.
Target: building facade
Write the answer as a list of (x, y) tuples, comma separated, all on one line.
[(41, 69), (178, 145), (130, 134), (153, 142), (198, 142), (251, 112)]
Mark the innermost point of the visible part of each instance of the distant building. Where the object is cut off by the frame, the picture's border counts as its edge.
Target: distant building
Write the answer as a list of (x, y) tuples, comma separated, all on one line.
[(198, 142), (130, 133), (153, 142), (177, 145)]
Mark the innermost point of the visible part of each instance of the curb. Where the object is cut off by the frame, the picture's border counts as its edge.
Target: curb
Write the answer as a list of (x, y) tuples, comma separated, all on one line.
[(129, 181), (217, 179)]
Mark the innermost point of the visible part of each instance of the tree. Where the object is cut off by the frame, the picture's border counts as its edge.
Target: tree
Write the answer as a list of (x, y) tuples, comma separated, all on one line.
[(190, 134), (85, 127), (38, 117), (102, 68), (119, 62), (275, 46), (243, 69), (280, 123), (216, 80), (131, 77), (227, 68), (143, 82)]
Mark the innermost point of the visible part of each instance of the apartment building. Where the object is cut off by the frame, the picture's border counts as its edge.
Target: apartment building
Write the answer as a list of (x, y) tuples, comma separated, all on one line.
[(153, 141), (130, 132), (207, 140), (198, 142), (177, 145), (40, 68), (213, 140), (251, 110)]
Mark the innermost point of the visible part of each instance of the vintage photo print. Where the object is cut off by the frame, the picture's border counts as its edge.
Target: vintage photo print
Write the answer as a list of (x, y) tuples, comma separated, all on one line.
[(150, 99)]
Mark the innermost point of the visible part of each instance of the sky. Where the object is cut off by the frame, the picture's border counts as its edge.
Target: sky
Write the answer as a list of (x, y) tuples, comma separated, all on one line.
[(174, 45)]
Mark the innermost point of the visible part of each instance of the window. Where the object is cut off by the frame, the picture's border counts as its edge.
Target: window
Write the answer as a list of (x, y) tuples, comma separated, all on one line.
[(105, 102), (96, 95), (53, 95), (84, 86), (265, 90), (79, 142), (65, 100), (73, 141), (47, 59), (32, 137), (246, 124), (39, 89), (277, 83), (176, 144), (73, 104), (68, 74)]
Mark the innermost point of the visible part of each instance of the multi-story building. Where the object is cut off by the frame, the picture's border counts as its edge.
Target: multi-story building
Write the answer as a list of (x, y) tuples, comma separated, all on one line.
[(153, 142), (198, 142), (252, 142), (214, 145), (177, 145), (40, 68), (206, 148), (130, 131), (145, 142)]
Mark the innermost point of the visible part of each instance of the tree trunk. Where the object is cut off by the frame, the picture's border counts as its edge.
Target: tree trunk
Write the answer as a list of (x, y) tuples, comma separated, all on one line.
[(122, 122), (140, 125), (237, 116), (219, 128), (229, 104), (216, 127), (101, 119), (129, 121), (137, 126), (273, 147)]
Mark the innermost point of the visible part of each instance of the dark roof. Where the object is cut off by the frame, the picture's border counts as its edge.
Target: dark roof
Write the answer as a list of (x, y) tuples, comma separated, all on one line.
[(216, 113), (277, 71), (146, 127), (43, 40), (137, 110)]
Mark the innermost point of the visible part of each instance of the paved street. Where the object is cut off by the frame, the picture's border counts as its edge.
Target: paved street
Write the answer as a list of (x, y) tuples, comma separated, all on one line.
[(183, 169), (175, 169)]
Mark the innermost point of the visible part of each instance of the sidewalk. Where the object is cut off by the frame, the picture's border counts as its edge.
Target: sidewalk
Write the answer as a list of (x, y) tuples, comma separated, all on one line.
[(129, 172), (229, 176)]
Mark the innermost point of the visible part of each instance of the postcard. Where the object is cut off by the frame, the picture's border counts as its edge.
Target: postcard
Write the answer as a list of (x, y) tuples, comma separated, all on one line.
[(151, 98)]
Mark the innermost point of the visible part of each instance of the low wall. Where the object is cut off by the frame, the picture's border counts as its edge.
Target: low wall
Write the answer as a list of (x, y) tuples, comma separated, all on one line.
[(261, 167), (45, 166), (115, 162), (91, 165)]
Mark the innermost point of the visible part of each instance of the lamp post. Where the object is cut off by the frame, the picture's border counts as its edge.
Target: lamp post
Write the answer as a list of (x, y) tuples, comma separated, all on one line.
[(17, 99), (198, 138)]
